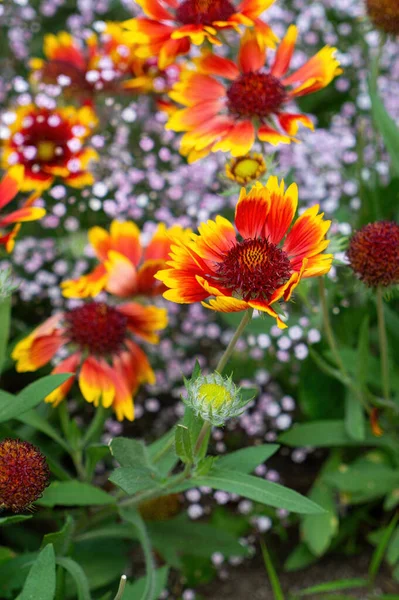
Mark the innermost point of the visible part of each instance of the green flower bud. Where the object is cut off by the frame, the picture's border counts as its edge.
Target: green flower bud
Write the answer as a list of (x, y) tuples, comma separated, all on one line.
[(214, 398)]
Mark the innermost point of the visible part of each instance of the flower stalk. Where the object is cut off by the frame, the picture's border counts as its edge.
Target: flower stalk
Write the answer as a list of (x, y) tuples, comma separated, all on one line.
[(382, 336)]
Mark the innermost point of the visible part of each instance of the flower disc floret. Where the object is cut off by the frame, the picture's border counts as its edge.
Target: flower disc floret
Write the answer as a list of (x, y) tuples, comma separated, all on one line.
[(373, 254), (214, 398), (97, 327), (204, 12), (24, 475), (384, 14), (256, 95)]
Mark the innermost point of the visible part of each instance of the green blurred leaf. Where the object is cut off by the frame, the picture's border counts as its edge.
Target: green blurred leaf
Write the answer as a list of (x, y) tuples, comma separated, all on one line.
[(300, 558), (33, 419), (13, 519), (5, 314), (183, 446), (40, 583), (135, 590), (13, 406), (379, 552), (78, 575), (74, 493), (272, 573), (61, 539), (367, 479), (386, 126), (333, 586), (162, 453), (355, 424), (134, 479), (393, 548), (317, 531)]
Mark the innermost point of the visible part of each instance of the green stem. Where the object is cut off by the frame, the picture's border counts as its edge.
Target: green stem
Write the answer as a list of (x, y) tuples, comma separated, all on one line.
[(121, 588), (156, 492), (328, 328), (5, 312), (202, 435), (382, 335), (230, 348), (96, 425)]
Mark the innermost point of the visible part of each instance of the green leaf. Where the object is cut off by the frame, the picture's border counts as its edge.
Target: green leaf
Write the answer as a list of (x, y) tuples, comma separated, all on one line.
[(393, 548), (386, 126), (134, 518), (183, 446), (60, 540), (78, 575), (355, 424), (135, 590), (324, 434), (40, 583), (246, 460), (74, 493), (33, 419), (5, 314), (367, 479), (254, 488), (300, 558), (272, 574), (180, 537), (132, 480), (333, 586), (379, 552), (162, 453), (363, 353), (194, 425), (13, 406), (130, 453), (196, 371), (95, 453), (14, 519), (317, 531)]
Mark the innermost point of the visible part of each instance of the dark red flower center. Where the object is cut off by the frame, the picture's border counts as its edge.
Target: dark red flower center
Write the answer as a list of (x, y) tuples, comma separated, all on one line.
[(204, 12), (96, 327), (374, 253), (24, 474), (254, 268), (256, 95)]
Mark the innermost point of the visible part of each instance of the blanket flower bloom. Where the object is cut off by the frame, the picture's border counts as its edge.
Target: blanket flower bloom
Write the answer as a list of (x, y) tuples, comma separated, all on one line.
[(246, 169), (257, 269), (9, 187), (169, 27), (108, 365), (227, 104), (125, 269), (24, 475), (99, 65), (50, 144)]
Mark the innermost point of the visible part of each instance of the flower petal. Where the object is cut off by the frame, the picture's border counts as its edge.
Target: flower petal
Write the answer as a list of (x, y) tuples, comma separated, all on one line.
[(87, 286), (307, 236), (252, 210), (284, 53), (215, 239), (226, 304), (69, 365), (96, 382), (282, 209), (144, 321), (10, 184), (290, 122), (251, 57), (121, 275)]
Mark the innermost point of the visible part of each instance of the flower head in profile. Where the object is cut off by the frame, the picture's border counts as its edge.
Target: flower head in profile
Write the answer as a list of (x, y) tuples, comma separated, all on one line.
[(99, 65), (169, 27), (384, 14), (229, 104), (101, 352), (257, 265), (24, 475), (50, 145), (373, 254), (246, 169), (10, 185), (125, 268)]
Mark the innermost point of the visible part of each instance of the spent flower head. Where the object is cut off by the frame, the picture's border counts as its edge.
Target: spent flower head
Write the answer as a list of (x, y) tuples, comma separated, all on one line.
[(374, 254), (24, 475), (384, 14), (215, 398)]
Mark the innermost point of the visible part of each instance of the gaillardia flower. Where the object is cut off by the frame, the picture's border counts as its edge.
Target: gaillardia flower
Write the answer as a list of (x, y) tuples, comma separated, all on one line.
[(374, 254), (261, 266), (229, 104), (246, 169), (171, 26), (214, 398), (384, 14), (101, 64), (9, 186), (107, 363), (50, 144), (125, 269), (24, 475)]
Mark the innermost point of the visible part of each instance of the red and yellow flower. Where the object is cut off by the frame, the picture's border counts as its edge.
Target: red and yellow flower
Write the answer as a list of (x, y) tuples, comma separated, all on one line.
[(228, 115), (99, 65), (126, 269), (169, 27), (260, 266), (9, 187), (50, 145), (107, 364)]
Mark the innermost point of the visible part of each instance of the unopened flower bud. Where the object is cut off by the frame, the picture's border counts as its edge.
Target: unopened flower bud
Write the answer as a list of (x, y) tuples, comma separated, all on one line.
[(24, 474), (214, 398)]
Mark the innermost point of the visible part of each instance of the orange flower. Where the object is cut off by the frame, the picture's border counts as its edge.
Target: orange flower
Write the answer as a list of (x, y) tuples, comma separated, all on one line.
[(261, 267), (170, 26), (108, 365), (98, 66), (125, 269), (9, 187), (49, 144), (227, 116)]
